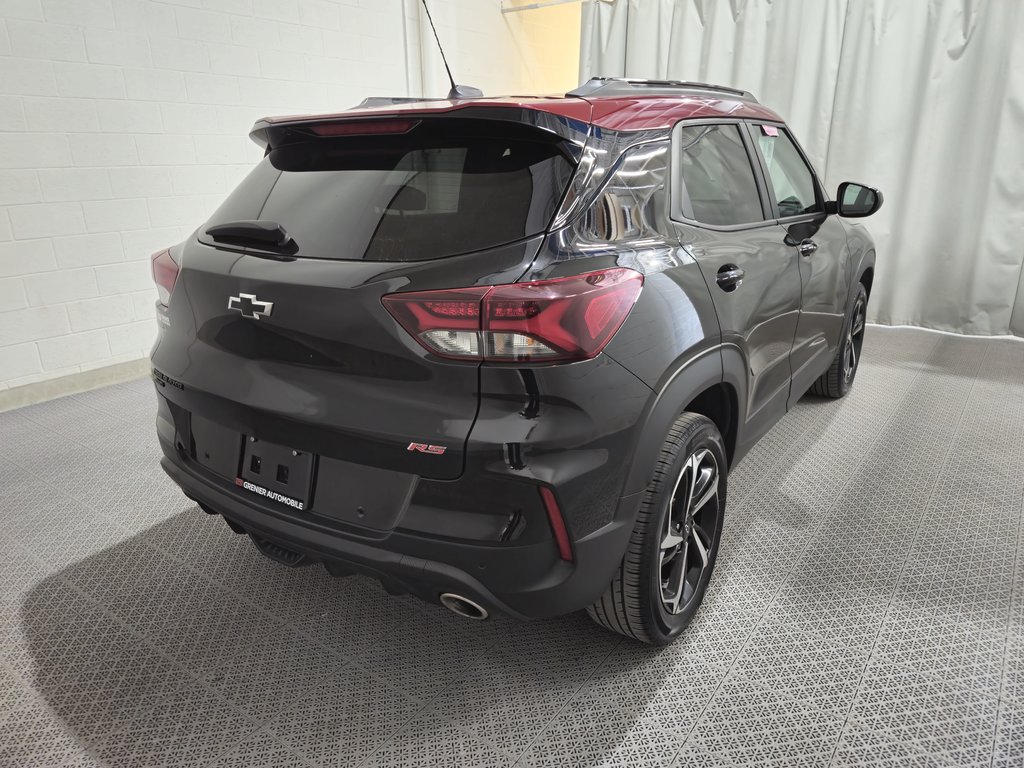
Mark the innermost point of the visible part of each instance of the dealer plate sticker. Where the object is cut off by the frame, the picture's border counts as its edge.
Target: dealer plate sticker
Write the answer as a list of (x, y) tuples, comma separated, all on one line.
[(272, 495)]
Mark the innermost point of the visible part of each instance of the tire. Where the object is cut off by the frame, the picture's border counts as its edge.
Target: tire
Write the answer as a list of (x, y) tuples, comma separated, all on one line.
[(638, 602), (838, 379)]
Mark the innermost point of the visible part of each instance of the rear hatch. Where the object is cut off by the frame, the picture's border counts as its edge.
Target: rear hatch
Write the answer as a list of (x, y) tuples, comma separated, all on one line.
[(275, 327)]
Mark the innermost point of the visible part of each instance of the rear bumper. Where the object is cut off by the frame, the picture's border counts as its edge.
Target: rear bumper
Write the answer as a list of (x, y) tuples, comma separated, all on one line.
[(484, 535), (406, 562)]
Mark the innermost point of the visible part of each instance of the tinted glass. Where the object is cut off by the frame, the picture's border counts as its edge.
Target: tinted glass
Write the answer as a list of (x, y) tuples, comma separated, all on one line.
[(447, 187), (788, 173), (857, 200), (633, 203), (717, 176), (852, 194)]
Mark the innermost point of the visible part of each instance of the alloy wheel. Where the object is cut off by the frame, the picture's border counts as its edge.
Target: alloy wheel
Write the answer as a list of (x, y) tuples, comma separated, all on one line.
[(854, 341), (690, 523)]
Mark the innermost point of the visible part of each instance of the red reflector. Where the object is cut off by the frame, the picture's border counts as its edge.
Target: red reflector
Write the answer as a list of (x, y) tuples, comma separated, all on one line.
[(364, 127), (557, 523), (566, 318), (165, 274)]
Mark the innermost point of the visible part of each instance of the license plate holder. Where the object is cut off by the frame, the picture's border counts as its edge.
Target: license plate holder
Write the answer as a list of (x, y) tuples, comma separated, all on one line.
[(277, 473)]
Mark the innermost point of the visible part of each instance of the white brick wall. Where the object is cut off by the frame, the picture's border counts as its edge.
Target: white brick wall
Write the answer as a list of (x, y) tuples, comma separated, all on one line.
[(123, 124)]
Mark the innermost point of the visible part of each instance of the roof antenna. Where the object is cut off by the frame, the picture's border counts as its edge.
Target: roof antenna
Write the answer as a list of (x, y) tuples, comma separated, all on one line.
[(457, 91)]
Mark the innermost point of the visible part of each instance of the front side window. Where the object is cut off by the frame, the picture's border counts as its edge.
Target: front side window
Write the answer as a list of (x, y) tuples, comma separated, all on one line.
[(788, 174), (717, 179)]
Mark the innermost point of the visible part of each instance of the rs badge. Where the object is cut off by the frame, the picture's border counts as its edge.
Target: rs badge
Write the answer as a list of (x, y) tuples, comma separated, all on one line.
[(435, 450)]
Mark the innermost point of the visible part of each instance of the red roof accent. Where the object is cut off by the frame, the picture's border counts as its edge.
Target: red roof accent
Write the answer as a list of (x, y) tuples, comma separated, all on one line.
[(647, 112), (632, 113)]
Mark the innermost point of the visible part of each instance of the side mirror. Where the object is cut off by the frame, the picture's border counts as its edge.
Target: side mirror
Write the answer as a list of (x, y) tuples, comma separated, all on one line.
[(856, 200)]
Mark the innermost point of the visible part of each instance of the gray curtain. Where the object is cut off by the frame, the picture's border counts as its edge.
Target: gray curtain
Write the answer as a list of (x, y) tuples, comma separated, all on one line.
[(921, 98)]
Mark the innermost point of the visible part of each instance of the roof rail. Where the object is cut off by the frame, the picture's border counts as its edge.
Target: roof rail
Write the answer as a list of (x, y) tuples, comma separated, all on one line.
[(624, 86)]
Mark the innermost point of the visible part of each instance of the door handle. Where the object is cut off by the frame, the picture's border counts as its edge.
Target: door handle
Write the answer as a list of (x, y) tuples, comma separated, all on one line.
[(730, 277), (807, 247)]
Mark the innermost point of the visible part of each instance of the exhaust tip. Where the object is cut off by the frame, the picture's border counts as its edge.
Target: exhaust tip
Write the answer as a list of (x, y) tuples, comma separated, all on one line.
[(463, 606)]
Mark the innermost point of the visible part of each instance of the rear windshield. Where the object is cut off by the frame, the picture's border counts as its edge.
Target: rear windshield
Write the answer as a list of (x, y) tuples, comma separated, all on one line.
[(444, 188)]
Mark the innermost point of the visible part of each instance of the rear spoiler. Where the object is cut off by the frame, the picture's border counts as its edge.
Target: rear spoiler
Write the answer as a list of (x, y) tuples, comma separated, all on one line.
[(568, 119)]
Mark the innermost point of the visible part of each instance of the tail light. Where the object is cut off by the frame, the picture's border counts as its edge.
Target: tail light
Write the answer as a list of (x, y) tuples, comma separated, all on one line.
[(165, 273), (567, 318)]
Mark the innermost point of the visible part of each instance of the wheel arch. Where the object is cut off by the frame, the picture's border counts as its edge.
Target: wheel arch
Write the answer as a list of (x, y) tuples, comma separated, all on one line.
[(718, 403), (713, 384), (863, 252), (867, 277)]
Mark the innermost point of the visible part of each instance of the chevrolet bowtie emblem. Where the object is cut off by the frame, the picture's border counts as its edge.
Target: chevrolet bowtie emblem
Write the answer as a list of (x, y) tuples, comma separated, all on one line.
[(250, 306)]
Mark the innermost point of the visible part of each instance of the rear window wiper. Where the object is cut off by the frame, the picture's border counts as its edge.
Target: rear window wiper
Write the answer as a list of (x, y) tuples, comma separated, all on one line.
[(260, 234)]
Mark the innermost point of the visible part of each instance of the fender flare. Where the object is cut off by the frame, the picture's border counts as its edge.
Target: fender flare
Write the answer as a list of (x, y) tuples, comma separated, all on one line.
[(724, 363), (866, 262)]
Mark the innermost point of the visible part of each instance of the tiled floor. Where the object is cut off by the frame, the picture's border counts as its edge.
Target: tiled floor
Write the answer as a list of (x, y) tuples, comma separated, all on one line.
[(868, 608)]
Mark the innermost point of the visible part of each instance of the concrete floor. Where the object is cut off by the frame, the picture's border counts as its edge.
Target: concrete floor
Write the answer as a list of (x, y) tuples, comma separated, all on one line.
[(868, 608)]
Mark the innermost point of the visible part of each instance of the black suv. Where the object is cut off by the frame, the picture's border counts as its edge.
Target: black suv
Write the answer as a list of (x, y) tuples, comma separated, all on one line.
[(502, 353)]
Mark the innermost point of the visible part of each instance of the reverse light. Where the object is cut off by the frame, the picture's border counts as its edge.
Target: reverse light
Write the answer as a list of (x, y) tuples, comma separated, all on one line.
[(165, 274), (566, 318)]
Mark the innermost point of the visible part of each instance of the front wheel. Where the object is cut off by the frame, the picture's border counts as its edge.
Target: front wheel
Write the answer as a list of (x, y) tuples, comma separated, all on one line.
[(838, 379), (665, 571)]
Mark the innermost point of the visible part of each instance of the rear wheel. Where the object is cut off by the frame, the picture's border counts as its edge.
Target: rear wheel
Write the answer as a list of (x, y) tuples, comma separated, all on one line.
[(666, 568), (838, 379)]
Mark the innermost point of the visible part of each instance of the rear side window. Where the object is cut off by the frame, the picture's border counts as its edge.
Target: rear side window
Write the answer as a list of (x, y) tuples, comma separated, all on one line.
[(717, 178), (633, 203), (444, 188), (790, 177)]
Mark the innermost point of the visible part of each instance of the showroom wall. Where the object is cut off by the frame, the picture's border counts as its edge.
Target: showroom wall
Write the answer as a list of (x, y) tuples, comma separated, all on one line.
[(531, 51), (923, 99), (123, 123)]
